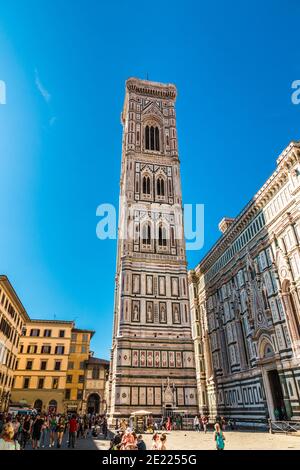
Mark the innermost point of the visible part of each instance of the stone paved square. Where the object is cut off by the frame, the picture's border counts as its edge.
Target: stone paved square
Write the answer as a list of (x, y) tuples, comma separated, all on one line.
[(235, 440)]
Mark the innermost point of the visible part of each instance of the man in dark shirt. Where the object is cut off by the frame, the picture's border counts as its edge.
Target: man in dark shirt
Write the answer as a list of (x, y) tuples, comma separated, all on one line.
[(141, 443), (36, 431)]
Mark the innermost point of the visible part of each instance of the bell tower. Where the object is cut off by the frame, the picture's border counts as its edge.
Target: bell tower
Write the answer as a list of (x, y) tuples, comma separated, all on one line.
[(152, 349)]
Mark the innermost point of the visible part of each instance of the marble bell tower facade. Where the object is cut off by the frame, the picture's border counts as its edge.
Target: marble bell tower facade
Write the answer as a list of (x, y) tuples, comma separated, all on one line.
[(152, 358)]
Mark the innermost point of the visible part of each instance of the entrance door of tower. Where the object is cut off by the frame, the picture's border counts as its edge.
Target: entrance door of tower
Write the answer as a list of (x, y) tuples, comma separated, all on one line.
[(279, 410)]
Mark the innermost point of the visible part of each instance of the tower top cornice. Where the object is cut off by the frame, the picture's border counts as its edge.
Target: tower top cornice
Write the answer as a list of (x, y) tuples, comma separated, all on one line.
[(153, 89)]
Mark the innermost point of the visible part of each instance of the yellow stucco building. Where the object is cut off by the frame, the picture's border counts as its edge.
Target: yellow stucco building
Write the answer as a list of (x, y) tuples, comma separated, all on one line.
[(75, 380), (12, 318), (40, 376)]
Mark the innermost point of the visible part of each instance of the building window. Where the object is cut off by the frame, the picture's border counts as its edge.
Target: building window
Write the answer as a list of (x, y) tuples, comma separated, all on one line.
[(29, 365), (46, 349), (72, 348), (32, 349), (41, 382), (60, 350), (81, 365), (79, 394), (95, 373), (67, 393), (160, 186), (85, 338), (74, 337), (147, 234), (21, 348), (146, 185), (70, 365), (61, 333), (26, 382), (152, 138), (81, 379), (34, 332), (47, 333), (69, 379), (83, 349), (43, 365), (57, 365), (55, 383), (162, 236)]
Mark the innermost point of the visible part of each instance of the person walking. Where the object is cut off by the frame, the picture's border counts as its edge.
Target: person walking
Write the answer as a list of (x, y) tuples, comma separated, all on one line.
[(60, 431), (169, 424), (73, 426), (25, 433), (44, 432), (52, 427), (36, 431), (219, 437), (196, 424), (104, 428), (204, 423), (7, 441)]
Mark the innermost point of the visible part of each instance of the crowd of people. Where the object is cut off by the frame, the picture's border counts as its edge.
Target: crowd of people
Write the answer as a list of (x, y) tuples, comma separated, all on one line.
[(48, 429), (129, 440), (42, 430)]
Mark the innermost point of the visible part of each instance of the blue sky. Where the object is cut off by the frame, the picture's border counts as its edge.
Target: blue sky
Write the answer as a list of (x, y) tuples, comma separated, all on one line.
[(65, 64)]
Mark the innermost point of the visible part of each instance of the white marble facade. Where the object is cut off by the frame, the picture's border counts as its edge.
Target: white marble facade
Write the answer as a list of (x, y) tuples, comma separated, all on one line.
[(245, 306)]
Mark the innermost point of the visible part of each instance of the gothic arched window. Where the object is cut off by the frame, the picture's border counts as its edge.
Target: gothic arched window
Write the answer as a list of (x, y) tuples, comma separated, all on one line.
[(147, 138), (147, 234), (160, 186), (152, 138), (146, 185), (156, 139), (162, 236)]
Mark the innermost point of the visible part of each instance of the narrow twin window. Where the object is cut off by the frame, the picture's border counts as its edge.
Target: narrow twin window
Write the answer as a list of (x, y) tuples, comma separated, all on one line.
[(146, 185), (152, 138)]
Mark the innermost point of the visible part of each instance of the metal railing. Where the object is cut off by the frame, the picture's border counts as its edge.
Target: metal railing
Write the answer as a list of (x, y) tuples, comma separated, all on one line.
[(283, 426)]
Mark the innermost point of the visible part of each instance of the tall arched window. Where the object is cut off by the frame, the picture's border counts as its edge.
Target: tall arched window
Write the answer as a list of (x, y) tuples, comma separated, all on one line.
[(160, 186), (152, 138), (162, 236), (156, 139), (146, 185), (147, 234), (147, 138)]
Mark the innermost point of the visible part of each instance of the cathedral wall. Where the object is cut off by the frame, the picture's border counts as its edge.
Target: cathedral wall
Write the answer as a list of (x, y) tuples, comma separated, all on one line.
[(245, 309)]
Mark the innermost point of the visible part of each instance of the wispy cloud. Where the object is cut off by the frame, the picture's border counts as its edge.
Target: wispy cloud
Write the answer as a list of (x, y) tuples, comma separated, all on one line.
[(43, 91), (46, 96)]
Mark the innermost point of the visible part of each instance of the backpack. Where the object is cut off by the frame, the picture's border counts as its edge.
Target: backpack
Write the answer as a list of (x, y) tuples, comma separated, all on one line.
[(220, 441)]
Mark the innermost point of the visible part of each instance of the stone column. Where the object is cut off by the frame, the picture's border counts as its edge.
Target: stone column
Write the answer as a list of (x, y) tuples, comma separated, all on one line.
[(207, 356)]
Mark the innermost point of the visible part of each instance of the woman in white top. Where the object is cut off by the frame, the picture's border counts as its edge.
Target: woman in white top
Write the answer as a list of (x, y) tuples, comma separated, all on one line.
[(7, 441)]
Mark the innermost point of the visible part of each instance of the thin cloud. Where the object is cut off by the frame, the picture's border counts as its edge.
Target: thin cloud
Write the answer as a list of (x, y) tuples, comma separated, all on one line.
[(43, 91)]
